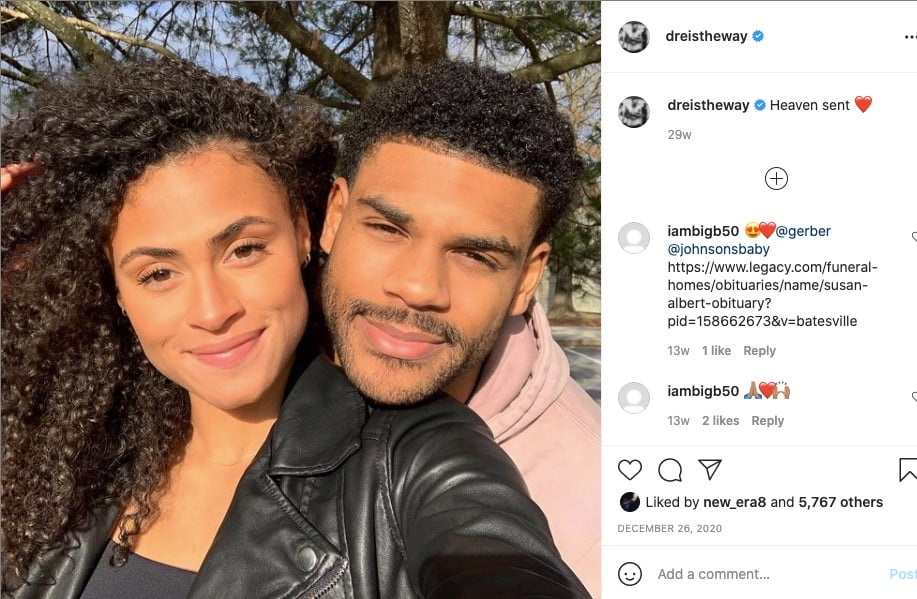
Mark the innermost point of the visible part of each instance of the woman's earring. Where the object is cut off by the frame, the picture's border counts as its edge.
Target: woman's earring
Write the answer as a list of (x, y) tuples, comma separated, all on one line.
[(308, 259)]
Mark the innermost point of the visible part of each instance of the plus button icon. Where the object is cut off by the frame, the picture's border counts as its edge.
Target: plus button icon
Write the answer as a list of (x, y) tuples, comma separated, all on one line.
[(776, 178)]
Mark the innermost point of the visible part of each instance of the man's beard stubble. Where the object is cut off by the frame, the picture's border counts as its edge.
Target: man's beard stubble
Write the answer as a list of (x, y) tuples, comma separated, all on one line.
[(382, 384)]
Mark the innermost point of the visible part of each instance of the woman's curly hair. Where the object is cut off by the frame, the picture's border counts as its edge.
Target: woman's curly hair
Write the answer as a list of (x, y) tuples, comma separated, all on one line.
[(87, 422)]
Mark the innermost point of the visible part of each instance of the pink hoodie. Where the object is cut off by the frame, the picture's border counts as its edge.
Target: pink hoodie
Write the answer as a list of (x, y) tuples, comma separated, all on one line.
[(550, 427)]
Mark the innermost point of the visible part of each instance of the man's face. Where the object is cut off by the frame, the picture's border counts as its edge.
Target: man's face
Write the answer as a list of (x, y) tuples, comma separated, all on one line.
[(428, 254)]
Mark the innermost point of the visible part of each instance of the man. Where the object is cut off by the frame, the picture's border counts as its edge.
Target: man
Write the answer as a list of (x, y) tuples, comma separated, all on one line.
[(436, 233)]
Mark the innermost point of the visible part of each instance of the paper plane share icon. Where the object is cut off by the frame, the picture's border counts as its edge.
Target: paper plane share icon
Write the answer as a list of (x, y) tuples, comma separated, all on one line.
[(711, 466)]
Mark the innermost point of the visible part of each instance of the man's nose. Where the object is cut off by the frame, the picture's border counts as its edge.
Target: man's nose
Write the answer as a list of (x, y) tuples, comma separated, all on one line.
[(420, 279)]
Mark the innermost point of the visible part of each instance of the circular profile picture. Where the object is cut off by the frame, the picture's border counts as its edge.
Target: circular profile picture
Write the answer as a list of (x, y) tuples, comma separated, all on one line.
[(633, 238), (630, 501), (634, 36), (633, 398), (633, 111)]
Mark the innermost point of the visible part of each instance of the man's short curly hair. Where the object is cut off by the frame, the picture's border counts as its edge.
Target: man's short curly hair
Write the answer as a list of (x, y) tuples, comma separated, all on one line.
[(87, 421), (477, 113)]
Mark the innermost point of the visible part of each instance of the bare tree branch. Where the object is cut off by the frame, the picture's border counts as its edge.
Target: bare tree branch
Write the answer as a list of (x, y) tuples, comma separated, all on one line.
[(17, 65), (468, 10), (338, 104), (309, 88), (88, 26), (170, 27), (593, 39), (33, 81), (552, 68), (308, 43), (11, 23), (549, 89), (134, 23), (13, 15), (357, 40), (87, 50), (160, 20), (128, 39), (76, 10), (513, 24)]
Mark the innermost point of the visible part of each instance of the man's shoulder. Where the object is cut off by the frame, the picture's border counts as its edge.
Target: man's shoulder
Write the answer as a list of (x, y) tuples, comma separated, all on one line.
[(567, 431), (564, 442), (559, 455), (572, 414), (578, 406)]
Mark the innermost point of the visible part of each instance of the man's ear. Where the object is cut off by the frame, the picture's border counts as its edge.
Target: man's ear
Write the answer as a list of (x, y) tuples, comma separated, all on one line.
[(532, 272), (337, 201)]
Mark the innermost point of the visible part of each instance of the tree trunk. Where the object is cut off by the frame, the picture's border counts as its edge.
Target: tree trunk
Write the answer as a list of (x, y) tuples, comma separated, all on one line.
[(407, 35), (562, 302)]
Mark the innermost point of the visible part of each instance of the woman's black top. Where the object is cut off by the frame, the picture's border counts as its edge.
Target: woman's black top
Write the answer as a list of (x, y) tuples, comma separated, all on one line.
[(138, 578)]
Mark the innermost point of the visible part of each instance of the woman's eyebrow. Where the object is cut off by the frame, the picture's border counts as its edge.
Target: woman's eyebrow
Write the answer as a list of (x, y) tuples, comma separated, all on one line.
[(153, 252), (227, 232), (236, 227)]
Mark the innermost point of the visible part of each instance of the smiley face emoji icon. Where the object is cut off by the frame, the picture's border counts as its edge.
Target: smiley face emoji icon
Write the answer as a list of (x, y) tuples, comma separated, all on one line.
[(753, 230), (629, 573)]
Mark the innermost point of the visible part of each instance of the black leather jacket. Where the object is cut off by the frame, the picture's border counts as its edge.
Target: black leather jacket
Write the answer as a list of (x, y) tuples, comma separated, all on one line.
[(346, 500)]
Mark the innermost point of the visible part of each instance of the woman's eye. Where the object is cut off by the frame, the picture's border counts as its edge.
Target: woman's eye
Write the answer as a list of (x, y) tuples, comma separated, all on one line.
[(243, 252), (157, 275)]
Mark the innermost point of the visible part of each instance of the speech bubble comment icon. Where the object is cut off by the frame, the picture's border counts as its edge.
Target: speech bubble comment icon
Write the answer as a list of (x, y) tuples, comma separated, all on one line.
[(670, 470)]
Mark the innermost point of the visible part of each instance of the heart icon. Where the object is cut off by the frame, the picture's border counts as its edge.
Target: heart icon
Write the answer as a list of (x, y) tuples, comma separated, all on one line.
[(914, 235), (863, 102), (767, 229), (767, 388), (630, 468), (914, 395)]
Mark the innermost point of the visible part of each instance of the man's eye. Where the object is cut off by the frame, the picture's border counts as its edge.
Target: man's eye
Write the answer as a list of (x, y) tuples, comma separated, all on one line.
[(480, 259), (384, 228), (247, 250)]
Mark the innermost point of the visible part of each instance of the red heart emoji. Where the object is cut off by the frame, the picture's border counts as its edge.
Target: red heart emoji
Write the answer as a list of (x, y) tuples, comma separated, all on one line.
[(767, 389), (863, 102), (767, 229)]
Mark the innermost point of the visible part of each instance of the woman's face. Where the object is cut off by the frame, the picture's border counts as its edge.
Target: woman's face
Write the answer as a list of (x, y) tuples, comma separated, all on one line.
[(207, 259)]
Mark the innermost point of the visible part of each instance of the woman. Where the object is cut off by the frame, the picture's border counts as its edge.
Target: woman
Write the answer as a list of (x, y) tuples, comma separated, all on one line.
[(158, 435)]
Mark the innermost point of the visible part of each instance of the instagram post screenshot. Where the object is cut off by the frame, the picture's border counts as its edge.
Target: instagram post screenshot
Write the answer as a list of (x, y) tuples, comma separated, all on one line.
[(760, 254), (303, 299)]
